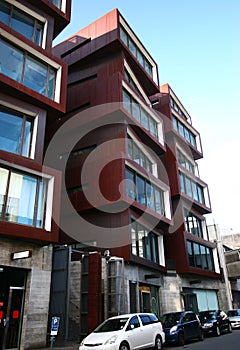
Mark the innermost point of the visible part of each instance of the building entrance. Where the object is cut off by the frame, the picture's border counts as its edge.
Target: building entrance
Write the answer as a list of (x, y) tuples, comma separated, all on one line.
[(12, 291)]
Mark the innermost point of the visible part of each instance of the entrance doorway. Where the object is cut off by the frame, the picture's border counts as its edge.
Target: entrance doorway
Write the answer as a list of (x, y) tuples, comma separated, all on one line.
[(12, 291)]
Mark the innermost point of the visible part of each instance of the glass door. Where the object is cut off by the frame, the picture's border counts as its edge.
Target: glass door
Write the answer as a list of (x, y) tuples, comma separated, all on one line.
[(11, 319)]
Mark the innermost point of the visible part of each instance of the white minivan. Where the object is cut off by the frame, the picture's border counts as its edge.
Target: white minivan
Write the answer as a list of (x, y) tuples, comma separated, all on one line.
[(126, 332)]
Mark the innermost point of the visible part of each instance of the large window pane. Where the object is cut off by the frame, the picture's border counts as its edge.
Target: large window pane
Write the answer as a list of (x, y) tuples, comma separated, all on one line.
[(141, 196), (158, 201), (22, 23), (134, 238), (136, 111), (144, 119), (130, 186), (21, 199), (4, 12), (141, 235), (197, 255), (35, 75), (150, 196), (11, 61), (10, 131), (27, 138), (41, 204), (51, 83), (4, 173), (15, 132)]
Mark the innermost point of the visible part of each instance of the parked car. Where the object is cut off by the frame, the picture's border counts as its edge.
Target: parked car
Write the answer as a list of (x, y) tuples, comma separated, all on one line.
[(234, 317), (215, 322), (126, 332), (180, 327)]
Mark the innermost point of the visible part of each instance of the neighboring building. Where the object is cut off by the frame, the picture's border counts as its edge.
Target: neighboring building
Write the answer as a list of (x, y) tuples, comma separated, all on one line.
[(189, 251), (129, 159), (231, 244), (33, 92)]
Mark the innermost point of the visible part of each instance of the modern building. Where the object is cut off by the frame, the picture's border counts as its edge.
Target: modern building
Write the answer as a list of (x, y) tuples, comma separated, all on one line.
[(133, 204), (192, 258), (33, 93)]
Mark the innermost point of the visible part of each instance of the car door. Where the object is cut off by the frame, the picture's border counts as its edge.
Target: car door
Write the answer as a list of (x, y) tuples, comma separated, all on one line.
[(134, 333), (223, 320), (147, 330)]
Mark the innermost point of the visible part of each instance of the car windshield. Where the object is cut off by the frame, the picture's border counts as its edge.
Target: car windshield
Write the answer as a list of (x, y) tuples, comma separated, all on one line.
[(115, 324), (171, 319), (232, 313), (207, 315)]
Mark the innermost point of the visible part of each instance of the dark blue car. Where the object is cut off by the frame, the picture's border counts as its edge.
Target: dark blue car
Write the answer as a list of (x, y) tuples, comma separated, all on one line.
[(180, 327)]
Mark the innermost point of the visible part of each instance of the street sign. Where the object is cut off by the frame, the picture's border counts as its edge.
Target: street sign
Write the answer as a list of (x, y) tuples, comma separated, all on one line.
[(55, 325)]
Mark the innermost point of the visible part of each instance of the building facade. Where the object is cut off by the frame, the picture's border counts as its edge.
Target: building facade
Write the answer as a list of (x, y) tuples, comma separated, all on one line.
[(133, 194), (32, 93)]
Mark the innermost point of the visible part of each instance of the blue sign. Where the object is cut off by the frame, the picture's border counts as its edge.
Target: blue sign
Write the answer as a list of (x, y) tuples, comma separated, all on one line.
[(55, 325)]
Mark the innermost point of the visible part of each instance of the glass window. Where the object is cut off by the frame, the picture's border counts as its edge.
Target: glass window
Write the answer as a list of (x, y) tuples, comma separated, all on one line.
[(140, 58), (22, 23), (130, 184), (4, 173), (130, 148), (35, 75), (5, 10), (127, 101), (22, 198), (159, 201), (197, 255), (150, 196), (134, 238), (11, 61), (190, 254), (132, 47), (141, 192), (27, 70), (124, 36), (15, 132), (145, 119), (141, 235), (136, 111)]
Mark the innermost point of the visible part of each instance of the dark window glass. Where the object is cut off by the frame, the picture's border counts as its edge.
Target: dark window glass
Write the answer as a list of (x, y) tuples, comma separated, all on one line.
[(15, 132)]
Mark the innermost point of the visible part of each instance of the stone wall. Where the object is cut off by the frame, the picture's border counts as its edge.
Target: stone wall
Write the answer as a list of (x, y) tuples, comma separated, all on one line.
[(37, 291)]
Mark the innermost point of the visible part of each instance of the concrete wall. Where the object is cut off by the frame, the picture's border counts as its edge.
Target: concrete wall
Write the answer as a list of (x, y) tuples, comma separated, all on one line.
[(35, 318)]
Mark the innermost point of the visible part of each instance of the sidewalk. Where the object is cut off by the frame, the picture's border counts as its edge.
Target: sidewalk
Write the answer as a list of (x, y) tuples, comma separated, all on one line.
[(70, 346)]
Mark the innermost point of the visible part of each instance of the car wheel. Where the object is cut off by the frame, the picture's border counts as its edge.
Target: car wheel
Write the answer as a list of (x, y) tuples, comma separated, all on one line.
[(217, 332), (124, 346), (229, 328), (158, 343), (201, 336), (181, 339)]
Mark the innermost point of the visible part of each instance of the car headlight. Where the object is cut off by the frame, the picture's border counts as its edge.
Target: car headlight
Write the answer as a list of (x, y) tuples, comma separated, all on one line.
[(111, 340), (209, 325), (173, 329)]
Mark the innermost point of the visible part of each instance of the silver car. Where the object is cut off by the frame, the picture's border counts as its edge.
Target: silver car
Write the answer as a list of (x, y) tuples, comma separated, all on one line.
[(234, 317), (126, 332)]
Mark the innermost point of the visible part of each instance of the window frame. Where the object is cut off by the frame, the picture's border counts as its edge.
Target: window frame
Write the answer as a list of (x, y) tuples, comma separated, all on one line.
[(13, 42), (37, 19), (37, 202)]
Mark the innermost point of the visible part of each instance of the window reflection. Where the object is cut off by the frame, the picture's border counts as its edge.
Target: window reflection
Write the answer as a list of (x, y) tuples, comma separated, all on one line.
[(22, 198), (31, 72), (15, 132), (22, 22)]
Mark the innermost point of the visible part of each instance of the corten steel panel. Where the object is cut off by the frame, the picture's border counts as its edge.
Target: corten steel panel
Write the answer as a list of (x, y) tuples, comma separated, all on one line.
[(23, 231)]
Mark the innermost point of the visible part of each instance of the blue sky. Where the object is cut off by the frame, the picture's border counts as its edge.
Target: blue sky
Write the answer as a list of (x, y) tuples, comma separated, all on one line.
[(197, 47)]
